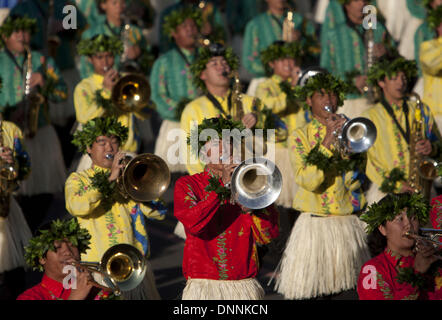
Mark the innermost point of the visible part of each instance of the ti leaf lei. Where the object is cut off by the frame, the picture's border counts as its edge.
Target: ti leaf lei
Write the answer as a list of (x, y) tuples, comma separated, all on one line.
[(390, 181), (215, 185)]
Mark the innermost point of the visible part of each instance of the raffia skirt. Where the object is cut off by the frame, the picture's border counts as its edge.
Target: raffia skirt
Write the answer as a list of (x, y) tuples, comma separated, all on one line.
[(14, 235), (323, 256), (353, 108), (48, 170), (163, 145), (207, 289)]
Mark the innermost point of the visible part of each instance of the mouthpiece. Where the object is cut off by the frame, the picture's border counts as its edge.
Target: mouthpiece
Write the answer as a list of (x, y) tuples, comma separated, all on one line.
[(109, 156), (328, 109)]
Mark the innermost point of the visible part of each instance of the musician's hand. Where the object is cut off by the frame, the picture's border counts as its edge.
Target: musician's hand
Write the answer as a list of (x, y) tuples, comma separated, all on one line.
[(406, 188), (379, 50), (6, 154), (333, 124), (37, 79), (425, 256), (424, 147), (227, 172), (110, 79), (296, 35), (84, 285), (249, 120), (361, 83), (296, 74), (116, 166), (133, 52)]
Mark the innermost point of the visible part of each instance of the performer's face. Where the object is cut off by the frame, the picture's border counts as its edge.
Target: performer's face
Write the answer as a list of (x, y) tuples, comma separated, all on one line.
[(185, 35), (395, 231), (394, 88), (113, 8), (17, 40), (214, 74), (283, 67), (436, 3), (354, 9), (103, 146), (319, 100), (102, 62), (54, 262)]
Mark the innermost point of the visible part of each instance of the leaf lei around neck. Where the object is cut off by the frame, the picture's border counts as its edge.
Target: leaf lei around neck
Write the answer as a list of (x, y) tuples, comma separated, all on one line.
[(215, 185), (390, 181)]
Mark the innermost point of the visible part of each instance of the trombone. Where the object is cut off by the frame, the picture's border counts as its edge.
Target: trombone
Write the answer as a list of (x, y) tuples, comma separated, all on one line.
[(122, 268)]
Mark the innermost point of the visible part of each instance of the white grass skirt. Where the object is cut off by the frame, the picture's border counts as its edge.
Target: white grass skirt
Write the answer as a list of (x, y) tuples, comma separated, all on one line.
[(48, 171), (323, 256), (163, 145), (179, 230), (374, 194), (207, 289), (86, 161), (438, 119), (353, 108), (14, 235), (289, 186)]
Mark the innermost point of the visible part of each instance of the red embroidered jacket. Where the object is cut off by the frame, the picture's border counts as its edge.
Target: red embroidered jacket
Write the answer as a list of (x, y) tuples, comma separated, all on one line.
[(377, 280), (220, 239), (436, 212), (50, 289)]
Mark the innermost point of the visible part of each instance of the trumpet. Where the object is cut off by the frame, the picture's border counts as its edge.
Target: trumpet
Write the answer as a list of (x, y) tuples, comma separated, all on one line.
[(430, 236), (122, 268), (355, 136), (144, 178)]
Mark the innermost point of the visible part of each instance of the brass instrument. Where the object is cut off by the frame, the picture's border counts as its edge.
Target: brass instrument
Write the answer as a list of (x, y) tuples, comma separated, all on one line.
[(127, 65), (8, 176), (122, 267), (287, 27), (369, 58), (355, 136), (238, 111), (256, 183), (422, 170), (33, 99), (131, 93), (144, 178), (429, 236)]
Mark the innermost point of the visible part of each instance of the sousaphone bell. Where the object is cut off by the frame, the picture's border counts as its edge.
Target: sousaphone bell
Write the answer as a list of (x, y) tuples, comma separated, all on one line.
[(131, 93)]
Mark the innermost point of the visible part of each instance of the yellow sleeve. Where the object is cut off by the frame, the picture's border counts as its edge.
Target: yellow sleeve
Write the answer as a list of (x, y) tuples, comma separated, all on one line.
[(84, 101), (350, 183), (151, 213), (271, 98), (81, 199), (307, 176), (431, 56)]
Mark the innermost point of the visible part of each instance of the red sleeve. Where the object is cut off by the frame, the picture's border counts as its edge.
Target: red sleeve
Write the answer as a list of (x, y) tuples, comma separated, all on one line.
[(33, 293), (193, 210), (265, 224), (436, 212)]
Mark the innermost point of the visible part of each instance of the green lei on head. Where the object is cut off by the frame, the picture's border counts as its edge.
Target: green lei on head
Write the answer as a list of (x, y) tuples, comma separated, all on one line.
[(12, 24), (322, 81), (434, 17), (100, 43), (390, 68), (279, 51), (204, 56), (391, 205), (217, 124), (59, 230), (177, 17), (101, 126)]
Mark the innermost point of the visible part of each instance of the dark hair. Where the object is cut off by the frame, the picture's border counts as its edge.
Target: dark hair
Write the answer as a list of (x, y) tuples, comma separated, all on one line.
[(376, 242)]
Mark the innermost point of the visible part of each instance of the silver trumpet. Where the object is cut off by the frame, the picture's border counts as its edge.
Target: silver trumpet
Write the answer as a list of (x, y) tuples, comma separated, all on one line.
[(429, 236), (356, 135)]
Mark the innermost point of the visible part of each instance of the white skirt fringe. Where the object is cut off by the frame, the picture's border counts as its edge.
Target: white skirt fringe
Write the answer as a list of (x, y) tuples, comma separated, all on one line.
[(163, 145), (207, 289), (179, 230), (374, 194), (353, 108), (14, 235), (48, 171), (323, 256), (289, 186)]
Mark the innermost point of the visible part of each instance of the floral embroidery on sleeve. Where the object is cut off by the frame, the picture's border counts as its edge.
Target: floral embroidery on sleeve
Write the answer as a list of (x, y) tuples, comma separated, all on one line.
[(221, 260)]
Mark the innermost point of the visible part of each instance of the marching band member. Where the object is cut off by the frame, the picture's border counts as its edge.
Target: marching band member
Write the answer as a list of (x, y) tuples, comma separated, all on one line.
[(267, 28), (92, 197), (220, 254), (326, 247), (57, 244), (92, 95), (343, 53), (171, 79), (429, 55), (282, 61), (389, 158), (403, 268), (48, 168)]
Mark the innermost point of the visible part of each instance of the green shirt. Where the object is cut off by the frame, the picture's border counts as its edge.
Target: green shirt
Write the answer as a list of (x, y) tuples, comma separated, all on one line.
[(261, 32), (171, 81), (90, 11), (38, 9)]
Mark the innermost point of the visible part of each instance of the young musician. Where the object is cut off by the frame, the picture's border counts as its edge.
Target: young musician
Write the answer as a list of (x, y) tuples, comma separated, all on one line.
[(327, 244), (92, 196), (220, 254), (403, 268)]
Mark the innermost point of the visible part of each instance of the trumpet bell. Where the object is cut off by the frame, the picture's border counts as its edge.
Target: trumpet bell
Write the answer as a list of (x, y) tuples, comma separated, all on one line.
[(428, 168), (131, 93), (8, 171), (256, 183), (358, 135), (125, 266), (146, 177)]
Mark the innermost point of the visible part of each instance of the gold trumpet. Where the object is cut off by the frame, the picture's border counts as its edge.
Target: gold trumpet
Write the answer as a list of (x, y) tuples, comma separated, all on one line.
[(122, 267)]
